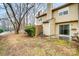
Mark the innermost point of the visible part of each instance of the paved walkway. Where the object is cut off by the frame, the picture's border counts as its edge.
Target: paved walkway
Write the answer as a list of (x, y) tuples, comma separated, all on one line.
[(4, 33)]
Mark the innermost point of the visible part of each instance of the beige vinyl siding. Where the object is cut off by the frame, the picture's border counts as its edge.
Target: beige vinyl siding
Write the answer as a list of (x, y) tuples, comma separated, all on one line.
[(44, 18), (71, 16), (74, 27)]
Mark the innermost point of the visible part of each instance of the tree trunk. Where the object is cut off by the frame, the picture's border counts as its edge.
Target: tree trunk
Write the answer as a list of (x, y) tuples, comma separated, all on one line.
[(17, 29), (16, 16)]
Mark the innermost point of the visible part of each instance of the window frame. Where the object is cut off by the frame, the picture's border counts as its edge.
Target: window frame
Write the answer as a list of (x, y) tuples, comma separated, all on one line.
[(63, 30), (63, 10), (62, 13)]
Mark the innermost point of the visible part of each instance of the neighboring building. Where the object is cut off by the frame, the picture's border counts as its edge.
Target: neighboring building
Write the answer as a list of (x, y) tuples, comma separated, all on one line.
[(32, 12), (59, 22)]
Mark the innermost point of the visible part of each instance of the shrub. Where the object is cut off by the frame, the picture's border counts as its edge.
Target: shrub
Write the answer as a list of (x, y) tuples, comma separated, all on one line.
[(1, 30), (30, 30)]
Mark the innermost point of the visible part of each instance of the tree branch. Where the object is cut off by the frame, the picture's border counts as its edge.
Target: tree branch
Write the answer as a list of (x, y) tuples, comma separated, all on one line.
[(26, 12), (8, 15), (13, 12)]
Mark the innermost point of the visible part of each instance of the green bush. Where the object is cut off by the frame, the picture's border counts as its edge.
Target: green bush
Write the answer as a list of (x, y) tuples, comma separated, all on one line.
[(1, 30), (30, 30)]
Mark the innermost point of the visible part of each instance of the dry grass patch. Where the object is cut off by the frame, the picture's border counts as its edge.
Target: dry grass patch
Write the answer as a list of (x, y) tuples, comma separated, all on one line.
[(20, 44)]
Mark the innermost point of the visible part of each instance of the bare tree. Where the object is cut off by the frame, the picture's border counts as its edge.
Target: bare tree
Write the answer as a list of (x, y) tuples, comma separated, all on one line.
[(16, 13)]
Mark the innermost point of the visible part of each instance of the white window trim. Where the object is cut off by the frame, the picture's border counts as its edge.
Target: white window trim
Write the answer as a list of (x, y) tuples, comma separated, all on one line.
[(69, 31)]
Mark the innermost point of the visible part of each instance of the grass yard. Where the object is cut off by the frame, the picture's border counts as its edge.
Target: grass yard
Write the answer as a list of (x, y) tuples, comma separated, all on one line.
[(22, 45)]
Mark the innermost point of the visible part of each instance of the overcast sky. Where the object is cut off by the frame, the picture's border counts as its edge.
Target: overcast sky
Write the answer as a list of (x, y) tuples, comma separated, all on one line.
[(55, 5)]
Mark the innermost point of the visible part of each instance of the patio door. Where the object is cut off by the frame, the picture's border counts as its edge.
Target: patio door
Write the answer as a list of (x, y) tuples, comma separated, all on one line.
[(64, 31)]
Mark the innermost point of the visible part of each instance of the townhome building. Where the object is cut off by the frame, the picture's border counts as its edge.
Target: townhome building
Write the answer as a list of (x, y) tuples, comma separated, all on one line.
[(60, 22)]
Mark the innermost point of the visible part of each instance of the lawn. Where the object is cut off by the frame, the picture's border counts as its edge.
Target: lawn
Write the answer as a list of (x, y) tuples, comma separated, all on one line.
[(22, 45)]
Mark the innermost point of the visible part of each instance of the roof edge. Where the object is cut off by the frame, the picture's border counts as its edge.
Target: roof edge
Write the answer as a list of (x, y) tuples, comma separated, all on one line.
[(67, 4), (41, 15)]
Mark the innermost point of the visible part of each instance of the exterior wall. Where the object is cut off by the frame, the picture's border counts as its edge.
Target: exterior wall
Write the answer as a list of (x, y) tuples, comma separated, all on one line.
[(49, 28), (71, 16), (52, 27), (46, 29), (39, 20), (44, 18), (74, 27)]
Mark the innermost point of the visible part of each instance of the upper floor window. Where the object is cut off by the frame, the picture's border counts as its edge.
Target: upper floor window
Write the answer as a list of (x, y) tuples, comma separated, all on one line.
[(40, 19), (60, 13), (63, 11)]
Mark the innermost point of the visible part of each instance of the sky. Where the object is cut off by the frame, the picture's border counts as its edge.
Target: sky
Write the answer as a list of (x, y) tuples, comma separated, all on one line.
[(2, 12), (55, 5)]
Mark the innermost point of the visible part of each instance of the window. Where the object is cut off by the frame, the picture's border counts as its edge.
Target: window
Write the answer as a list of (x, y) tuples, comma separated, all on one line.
[(60, 13), (63, 13), (40, 19), (64, 29)]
